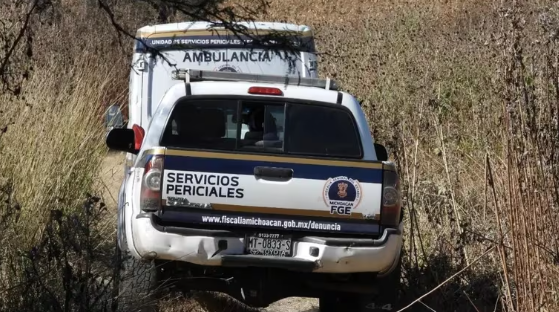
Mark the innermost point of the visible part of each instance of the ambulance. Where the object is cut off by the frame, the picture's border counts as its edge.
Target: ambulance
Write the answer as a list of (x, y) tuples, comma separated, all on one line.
[(161, 49)]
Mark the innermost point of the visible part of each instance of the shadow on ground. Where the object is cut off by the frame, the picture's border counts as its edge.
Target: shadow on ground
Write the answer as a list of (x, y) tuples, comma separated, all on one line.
[(469, 292)]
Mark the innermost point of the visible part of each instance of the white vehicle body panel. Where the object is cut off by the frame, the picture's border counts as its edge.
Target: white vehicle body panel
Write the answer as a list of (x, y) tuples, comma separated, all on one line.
[(202, 47), (332, 259), (294, 194)]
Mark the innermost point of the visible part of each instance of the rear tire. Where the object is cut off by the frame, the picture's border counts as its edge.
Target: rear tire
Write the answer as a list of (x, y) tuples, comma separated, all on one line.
[(138, 283)]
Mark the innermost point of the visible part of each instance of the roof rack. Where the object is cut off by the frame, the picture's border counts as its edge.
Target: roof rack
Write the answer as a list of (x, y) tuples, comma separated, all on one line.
[(191, 75)]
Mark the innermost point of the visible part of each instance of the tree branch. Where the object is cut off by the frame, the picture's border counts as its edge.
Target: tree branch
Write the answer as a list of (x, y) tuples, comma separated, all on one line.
[(6, 59), (449, 279)]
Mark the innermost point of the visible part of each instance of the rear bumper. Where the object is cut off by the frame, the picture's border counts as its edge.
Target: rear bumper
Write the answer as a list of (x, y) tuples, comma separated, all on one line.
[(200, 247)]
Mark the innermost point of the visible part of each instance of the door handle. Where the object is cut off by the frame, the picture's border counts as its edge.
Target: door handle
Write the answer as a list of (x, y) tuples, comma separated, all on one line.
[(273, 173)]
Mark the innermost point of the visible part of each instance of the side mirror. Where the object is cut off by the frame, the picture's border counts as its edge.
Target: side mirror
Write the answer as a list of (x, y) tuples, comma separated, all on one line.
[(113, 117), (381, 152), (125, 140)]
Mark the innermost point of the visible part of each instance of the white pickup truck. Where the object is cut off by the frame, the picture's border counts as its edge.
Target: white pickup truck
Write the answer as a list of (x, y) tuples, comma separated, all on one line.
[(303, 204)]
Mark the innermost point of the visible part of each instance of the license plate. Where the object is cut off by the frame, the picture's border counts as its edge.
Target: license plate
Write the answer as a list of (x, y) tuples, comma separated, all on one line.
[(264, 244)]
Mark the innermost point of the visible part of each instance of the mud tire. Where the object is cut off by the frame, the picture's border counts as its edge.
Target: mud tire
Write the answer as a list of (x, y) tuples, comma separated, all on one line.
[(138, 283)]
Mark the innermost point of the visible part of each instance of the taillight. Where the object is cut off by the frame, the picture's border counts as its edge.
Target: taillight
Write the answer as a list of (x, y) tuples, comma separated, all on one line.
[(390, 215), (150, 199), (265, 91), (139, 133)]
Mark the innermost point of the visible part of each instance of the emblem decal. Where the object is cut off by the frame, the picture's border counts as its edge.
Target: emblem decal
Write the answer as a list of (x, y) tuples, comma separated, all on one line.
[(342, 189), (342, 195), (228, 68)]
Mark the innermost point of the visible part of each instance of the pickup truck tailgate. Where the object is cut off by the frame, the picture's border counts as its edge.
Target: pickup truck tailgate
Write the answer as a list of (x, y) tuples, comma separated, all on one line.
[(287, 193)]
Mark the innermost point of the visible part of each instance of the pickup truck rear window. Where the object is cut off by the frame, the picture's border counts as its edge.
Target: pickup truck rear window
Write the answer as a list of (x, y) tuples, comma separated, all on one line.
[(263, 126)]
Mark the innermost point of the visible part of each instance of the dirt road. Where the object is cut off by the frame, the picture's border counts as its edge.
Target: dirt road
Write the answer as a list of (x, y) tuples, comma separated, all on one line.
[(111, 176)]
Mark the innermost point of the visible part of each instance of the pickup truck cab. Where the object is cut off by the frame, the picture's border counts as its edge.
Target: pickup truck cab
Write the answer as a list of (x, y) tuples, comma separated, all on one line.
[(303, 204)]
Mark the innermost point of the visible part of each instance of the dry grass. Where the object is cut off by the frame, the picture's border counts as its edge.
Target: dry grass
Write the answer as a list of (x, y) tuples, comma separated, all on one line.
[(56, 239), (51, 154), (466, 100), (464, 94)]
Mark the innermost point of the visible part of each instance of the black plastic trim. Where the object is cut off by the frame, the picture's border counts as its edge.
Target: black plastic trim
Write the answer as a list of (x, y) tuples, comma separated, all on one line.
[(351, 242), (340, 98), (291, 264), (273, 172), (327, 241), (192, 231)]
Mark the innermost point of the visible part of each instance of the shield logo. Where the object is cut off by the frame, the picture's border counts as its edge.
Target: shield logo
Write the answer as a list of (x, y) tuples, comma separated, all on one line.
[(342, 189)]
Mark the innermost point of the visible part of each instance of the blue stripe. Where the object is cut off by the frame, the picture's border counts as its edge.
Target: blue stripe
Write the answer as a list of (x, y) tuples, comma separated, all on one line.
[(246, 167), (306, 43)]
